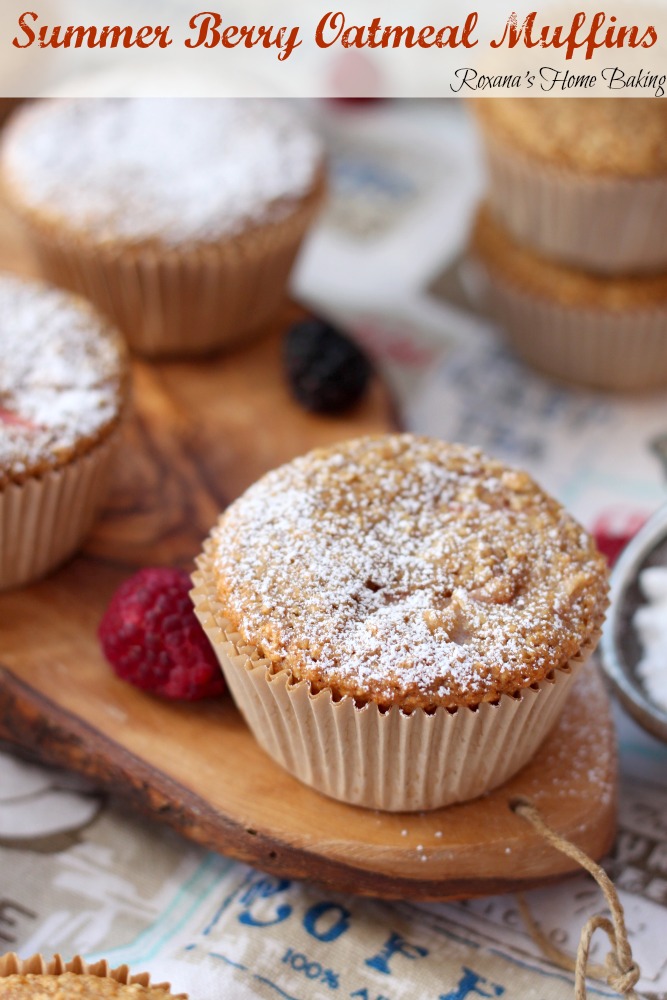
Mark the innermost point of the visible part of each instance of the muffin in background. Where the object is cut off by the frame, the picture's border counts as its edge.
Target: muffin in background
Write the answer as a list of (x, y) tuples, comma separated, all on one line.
[(400, 620), (7, 106), (63, 387), (180, 219), (603, 332), (39, 978), (583, 181)]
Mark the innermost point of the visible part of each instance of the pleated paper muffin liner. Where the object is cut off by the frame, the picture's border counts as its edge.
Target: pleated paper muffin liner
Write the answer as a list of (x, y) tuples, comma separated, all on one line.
[(37, 965), (44, 520), (590, 346), (179, 301), (612, 225), (379, 759)]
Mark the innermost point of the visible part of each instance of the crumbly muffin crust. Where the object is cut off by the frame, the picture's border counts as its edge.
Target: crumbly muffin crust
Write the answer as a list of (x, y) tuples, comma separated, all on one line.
[(63, 374), (162, 172), (71, 986), (497, 249), (405, 571), (597, 136)]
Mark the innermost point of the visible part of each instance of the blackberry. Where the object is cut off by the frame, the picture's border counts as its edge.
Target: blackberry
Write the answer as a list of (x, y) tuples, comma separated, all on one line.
[(327, 372)]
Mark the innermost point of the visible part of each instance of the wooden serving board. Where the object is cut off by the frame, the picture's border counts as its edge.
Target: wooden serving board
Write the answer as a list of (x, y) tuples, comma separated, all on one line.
[(199, 435)]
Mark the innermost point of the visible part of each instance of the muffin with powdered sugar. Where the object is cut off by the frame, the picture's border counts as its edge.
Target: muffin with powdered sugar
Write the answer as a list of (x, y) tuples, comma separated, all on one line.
[(63, 386), (181, 219), (400, 619)]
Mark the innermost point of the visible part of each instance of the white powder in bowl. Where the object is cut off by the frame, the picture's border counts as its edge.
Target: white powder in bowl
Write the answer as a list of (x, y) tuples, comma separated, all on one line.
[(650, 622)]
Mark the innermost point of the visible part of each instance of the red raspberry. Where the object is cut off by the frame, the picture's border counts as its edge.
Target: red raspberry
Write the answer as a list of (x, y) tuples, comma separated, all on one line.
[(614, 528), (611, 545), (151, 637)]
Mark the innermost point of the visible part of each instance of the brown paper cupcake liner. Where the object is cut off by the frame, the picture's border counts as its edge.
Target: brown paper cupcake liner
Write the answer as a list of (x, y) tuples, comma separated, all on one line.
[(586, 346), (44, 520), (179, 302), (604, 224), (367, 757), (37, 965)]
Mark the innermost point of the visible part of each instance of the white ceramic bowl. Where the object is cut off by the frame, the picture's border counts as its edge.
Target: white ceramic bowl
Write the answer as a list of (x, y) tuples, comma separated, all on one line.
[(620, 649)]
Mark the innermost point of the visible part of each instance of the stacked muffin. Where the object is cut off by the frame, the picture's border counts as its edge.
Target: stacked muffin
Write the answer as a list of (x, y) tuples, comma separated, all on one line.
[(573, 236)]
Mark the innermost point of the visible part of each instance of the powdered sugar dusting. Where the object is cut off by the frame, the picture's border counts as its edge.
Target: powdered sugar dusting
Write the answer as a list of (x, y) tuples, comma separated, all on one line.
[(650, 622), (175, 170), (404, 570), (581, 756), (61, 374)]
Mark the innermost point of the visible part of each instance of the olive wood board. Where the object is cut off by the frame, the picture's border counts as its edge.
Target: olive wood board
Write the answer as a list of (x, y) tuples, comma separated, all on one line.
[(198, 435)]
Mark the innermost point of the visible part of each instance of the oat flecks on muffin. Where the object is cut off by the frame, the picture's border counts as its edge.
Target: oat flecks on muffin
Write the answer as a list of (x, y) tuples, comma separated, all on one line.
[(71, 986), (403, 570), (174, 170), (62, 378), (596, 136), (570, 286)]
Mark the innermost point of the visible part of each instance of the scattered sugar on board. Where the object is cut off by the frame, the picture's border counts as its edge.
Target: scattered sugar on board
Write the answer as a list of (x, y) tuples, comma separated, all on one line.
[(60, 375), (177, 170), (650, 622), (582, 763), (399, 567)]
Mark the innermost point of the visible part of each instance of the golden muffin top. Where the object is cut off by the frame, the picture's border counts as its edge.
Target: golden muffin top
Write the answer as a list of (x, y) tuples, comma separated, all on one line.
[(405, 571), (496, 248), (70, 986), (597, 136)]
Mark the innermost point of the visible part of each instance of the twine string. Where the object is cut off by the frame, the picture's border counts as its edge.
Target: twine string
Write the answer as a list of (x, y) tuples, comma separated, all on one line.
[(620, 970)]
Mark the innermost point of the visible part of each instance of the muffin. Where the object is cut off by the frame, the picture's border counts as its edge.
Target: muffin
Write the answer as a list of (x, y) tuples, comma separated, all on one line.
[(7, 106), (399, 619), (37, 979), (583, 181), (69, 986), (180, 219), (603, 332), (63, 383)]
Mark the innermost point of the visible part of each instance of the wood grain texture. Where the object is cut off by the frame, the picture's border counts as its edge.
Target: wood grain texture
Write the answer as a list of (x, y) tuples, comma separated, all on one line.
[(199, 769), (199, 434)]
